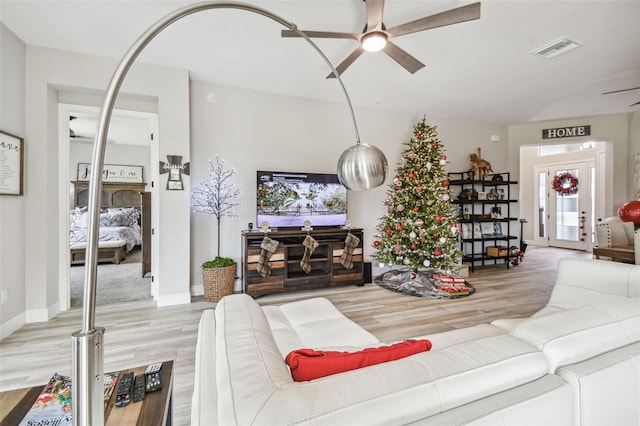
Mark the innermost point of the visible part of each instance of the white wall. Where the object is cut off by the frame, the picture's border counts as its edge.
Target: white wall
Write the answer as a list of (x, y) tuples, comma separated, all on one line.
[(610, 128), (48, 73), (12, 208), (253, 131), (634, 156)]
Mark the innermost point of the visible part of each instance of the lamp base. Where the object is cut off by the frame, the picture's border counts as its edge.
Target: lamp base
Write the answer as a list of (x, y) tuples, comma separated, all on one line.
[(87, 380)]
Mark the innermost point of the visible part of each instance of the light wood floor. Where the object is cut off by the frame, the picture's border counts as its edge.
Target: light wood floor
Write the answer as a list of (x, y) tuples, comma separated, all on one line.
[(138, 333)]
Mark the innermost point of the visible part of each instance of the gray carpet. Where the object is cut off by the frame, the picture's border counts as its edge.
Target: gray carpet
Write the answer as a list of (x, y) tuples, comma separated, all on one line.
[(116, 283)]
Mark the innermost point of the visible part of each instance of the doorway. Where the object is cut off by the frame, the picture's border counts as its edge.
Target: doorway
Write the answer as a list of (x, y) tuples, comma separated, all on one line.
[(565, 217), (130, 143)]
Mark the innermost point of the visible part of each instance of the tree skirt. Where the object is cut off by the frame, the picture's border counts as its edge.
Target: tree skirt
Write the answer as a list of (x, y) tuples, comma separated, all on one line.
[(422, 284)]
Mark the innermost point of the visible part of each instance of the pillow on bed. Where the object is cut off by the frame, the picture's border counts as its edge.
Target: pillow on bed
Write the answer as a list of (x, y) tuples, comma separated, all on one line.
[(114, 219), (309, 364), (131, 213)]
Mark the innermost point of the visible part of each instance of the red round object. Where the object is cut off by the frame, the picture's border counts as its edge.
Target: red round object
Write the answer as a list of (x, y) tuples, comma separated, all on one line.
[(396, 187), (416, 209), (438, 218), (411, 175), (413, 246), (630, 212), (387, 231), (398, 227), (437, 252), (376, 243), (435, 146), (445, 182)]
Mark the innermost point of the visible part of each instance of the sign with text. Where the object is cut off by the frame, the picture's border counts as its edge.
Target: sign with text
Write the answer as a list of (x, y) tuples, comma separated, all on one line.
[(112, 173), (11, 163), (566, 132)]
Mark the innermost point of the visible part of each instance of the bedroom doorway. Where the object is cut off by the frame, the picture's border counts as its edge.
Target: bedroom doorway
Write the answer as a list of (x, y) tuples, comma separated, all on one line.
[(126, 266)]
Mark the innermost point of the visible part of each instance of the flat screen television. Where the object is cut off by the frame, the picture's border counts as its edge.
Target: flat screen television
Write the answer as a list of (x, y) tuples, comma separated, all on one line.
[(288, 199)]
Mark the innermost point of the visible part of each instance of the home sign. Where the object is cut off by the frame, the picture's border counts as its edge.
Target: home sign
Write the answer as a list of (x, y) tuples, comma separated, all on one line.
[(566, 132)]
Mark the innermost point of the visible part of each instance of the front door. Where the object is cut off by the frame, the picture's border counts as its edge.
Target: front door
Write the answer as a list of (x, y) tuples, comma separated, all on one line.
[(568, 206)]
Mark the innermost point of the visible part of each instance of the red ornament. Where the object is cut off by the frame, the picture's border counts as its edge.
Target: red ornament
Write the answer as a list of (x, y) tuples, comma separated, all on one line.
[(376, 243), (398, 227), (444, 157), (630, 212), (396, 187), (437, 252), (387, 231), (411, 175), (416, 209), (413, 246), (417, 133), (436, 235), (438, 218), (419, 188), (435, 146), (445, 182), (413, 276)]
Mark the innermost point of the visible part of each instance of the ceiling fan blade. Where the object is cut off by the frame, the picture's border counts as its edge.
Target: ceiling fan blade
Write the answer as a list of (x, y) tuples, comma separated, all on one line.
[(374, 14), (345, 64), (621, 90), (637, 103), (453, 16), (407, 61), (321, 34)]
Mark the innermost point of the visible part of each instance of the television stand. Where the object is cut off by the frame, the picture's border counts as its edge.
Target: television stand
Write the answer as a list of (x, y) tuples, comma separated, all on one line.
[(286, 273)]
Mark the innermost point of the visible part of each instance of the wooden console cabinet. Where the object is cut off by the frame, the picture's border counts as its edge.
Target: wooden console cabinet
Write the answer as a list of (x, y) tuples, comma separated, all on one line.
[(286, 272)]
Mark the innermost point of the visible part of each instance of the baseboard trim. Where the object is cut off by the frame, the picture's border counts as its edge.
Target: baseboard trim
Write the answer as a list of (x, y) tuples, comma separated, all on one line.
[(173, 299), (12, 325), (42, 315), (197, 290)]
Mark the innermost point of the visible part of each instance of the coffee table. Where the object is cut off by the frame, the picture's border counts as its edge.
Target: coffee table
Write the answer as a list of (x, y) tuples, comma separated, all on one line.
[(155, 409)]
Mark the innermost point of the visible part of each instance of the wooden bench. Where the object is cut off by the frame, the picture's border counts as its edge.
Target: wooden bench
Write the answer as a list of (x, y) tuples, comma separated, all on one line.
[(108, 251), (617, 254)]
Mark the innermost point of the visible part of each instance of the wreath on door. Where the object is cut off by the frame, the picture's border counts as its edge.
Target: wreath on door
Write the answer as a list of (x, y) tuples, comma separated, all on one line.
[(565, 184)]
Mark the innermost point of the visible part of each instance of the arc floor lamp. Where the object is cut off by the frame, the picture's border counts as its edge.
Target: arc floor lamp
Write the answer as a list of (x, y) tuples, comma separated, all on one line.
[(361, 166)]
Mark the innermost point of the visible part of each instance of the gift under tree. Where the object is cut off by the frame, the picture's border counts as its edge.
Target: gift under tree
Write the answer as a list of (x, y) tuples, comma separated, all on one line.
[(419, 231)]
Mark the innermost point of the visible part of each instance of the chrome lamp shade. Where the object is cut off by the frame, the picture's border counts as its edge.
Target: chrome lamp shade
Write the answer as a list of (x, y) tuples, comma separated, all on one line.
[(362, 166)]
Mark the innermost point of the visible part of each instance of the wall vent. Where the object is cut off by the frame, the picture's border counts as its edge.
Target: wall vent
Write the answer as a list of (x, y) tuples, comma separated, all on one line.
[(555, 48)]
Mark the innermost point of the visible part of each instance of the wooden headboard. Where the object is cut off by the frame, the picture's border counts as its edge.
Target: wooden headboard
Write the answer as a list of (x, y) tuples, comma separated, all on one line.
[(113, 194)]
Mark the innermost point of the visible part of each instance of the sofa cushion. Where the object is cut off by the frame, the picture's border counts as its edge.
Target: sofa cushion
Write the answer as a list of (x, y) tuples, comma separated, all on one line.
[(582, 282), (309, 364), (578, 334), (609, 380), (314, 323)]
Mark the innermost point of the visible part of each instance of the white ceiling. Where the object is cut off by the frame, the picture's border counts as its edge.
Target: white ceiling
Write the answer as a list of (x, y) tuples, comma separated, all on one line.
[(480, 70)]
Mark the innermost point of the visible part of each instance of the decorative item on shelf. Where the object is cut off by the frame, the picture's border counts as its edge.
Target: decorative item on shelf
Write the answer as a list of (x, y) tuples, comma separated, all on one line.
[(347, 225), (497, 178), (264, 227), (479, 166), (565, 184), (482, 195), (467, 195), (217, 197), (307, 226)]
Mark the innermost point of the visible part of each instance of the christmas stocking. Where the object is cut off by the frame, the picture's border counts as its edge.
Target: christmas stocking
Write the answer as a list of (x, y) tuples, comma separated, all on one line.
[(350, 243), (268, 246), (310, 244)]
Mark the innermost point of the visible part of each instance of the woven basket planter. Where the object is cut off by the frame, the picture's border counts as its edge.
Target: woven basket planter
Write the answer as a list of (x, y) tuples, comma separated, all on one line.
[(218, 282)]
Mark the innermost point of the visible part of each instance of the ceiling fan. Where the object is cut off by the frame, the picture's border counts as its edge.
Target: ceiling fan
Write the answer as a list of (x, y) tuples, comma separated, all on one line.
[(624, 90), (375, 36)]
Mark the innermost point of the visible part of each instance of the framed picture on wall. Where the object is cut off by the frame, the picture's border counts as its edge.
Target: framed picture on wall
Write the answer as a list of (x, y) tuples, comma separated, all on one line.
[(11, 164)]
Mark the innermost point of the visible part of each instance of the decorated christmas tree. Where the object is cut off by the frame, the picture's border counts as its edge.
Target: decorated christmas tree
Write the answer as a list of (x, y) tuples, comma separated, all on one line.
[(419, 230)]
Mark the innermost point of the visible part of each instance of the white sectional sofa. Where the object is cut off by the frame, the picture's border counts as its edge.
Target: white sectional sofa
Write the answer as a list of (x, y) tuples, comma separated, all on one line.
[(575, 362)]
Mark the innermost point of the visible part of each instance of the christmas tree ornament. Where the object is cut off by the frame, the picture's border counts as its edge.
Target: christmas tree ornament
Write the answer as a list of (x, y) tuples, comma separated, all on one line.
[(400, 207), (419, 222), (398, 227), (454, 230), (435, 146), (398, 247), (406, 261), (387, 231), (396, 187), (445, 182), (426, 263), (443, 162), (411, 175), (416, 209), (438, 218), (412, 235), (413, 275), (446, 197), (428, 165), (376, 243), (444, 157), (437, 252), (442, 240), (436, 235), (413, 246)]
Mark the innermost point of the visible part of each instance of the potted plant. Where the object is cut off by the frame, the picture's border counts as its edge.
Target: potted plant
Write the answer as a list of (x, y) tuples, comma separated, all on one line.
[(217, 197)]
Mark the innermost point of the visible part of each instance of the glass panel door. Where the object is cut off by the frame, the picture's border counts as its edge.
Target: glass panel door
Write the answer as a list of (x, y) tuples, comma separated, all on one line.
[(569, 204)]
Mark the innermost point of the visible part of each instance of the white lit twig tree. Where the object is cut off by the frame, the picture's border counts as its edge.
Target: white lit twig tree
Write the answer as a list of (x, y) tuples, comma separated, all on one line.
[(218, 195)]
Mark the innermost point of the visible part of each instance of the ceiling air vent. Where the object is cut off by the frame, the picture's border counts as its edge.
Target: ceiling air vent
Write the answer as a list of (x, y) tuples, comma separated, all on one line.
[(556, 47)]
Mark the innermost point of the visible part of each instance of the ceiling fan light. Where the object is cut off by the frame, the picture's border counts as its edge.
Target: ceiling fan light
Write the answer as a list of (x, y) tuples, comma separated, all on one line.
[(374, 41)]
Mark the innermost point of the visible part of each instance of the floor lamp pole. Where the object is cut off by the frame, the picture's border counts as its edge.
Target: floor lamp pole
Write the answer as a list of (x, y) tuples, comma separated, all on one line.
[(87, 344)]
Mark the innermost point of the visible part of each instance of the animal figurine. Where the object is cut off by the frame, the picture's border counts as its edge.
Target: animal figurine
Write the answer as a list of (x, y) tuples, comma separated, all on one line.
[(482, 167)]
